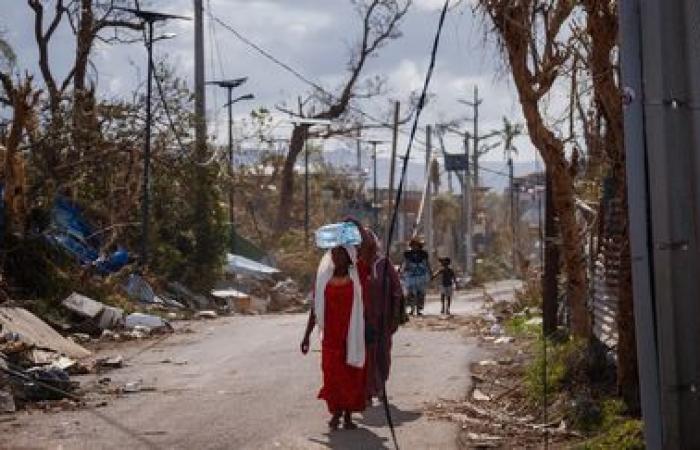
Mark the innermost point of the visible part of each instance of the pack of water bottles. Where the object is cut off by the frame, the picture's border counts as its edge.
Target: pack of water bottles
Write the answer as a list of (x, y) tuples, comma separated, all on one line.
[(338, 234)]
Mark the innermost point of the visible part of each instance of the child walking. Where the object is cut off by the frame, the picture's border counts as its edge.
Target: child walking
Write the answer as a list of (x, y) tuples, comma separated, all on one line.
[(447, 284)]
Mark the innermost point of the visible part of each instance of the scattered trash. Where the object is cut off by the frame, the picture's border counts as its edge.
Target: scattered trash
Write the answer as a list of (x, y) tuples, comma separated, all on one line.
[(131, 387), (237, 264), (534, 321), (180, 362), (207, 314), (7, 403), (72, 232), (504, 340), (80, 338), (112, 362), (139, 289), (101, 315), (496, 329), (36, 333), (488, 362), (83, 306), (137, 386), (46, 383), (111, 317), (147, 320), (480, 396), (229, 293), (483, 437), (191, 299)]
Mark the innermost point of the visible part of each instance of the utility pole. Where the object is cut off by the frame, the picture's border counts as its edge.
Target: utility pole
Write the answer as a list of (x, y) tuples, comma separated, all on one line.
[(475, 133), (359, 150), (146, 202), (428, 223), (200, 130), (392, 168), (375, 200), (467, 204), (513, 218)]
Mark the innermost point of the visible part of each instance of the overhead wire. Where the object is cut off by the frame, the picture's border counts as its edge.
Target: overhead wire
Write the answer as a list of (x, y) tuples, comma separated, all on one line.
[(296, 73), (399, 192)]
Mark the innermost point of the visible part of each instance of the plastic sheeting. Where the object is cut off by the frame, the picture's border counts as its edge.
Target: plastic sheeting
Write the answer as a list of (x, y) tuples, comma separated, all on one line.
[(239, 265), (71, 231)]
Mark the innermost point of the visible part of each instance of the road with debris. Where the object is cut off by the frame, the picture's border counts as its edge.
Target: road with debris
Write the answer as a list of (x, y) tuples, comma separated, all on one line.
[(240, 382)]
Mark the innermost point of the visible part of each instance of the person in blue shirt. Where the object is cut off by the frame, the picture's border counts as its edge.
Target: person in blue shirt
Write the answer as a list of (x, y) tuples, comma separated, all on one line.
[(416, 274)]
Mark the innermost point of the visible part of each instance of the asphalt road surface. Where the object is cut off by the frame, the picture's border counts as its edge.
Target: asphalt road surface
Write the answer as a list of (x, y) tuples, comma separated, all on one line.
[(241, 383)]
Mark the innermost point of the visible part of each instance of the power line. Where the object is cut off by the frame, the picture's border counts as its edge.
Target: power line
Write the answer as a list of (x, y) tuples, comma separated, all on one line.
[(302, 77), (318, 87)]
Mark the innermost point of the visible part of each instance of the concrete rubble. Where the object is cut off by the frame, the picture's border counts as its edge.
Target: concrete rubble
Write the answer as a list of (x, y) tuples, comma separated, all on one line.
[(99, 315)]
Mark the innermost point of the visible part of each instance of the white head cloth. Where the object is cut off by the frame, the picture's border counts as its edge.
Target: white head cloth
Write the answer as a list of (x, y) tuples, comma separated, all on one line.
[(356, 330)]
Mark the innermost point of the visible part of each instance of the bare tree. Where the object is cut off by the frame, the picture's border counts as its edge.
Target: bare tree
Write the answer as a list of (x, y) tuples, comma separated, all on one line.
[(88, 20), (532, 36), (380, 24)]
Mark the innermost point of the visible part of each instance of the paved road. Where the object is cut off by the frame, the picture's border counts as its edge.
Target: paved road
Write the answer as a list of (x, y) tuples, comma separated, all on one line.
[(245, 386)]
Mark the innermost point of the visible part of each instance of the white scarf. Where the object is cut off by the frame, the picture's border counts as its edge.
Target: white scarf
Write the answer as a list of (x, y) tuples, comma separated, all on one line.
[(356, 330)]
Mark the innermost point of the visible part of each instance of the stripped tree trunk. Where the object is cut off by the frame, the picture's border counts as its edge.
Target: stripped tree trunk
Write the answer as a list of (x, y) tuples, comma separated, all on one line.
[(601, 27), (534, 72)]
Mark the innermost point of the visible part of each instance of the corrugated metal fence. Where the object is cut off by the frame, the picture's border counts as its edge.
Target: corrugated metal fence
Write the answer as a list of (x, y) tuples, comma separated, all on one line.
[(605, 277)]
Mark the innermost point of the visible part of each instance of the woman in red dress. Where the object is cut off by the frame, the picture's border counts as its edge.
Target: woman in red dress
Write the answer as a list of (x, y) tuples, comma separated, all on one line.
[(338, 311)]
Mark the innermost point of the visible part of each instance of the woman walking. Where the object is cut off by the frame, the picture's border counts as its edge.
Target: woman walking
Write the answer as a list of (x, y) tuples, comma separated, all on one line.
[(338, 312)]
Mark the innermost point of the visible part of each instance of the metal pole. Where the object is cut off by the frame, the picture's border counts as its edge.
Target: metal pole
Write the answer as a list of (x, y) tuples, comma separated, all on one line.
[(644, 174), (475, 105), (359, 150), (513, 228), (145, 205), (551, 263), (639, 220), (429, 193), (231, 214), (392, 169), (199, 83), (374, 188), (306, 189), (468, 200)]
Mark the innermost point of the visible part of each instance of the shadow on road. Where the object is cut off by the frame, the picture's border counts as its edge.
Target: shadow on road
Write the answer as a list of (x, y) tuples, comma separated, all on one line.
[(374, 416), (362, 438)]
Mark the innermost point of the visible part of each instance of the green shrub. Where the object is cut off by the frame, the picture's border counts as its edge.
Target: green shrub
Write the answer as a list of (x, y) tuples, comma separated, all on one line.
[(562, 361), (623, 434)]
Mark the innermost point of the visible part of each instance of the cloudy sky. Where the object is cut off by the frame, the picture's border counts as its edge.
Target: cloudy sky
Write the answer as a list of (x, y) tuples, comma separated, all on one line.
[(314, 37)]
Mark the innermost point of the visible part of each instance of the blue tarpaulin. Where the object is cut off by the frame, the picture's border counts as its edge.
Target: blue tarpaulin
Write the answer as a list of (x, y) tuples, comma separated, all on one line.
[(73, 233)]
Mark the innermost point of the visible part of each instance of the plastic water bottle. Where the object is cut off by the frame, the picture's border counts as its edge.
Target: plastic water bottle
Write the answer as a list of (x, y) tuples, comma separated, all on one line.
[(338, 234)]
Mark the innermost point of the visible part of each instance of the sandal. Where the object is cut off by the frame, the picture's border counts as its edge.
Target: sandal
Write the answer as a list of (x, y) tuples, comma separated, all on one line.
[(334, 423)]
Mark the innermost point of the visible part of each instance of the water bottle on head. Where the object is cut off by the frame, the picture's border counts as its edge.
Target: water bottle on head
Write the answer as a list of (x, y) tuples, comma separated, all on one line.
[(338, 234)]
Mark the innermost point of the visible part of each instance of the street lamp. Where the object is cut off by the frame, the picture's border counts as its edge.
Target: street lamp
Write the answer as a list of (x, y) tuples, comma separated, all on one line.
[(310, 122), (230, 85), (375, 200), (148, 18)]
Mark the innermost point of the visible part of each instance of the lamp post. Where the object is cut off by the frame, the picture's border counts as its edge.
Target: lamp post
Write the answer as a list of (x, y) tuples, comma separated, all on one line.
[(230, 85), (149, 18), (375, 200)]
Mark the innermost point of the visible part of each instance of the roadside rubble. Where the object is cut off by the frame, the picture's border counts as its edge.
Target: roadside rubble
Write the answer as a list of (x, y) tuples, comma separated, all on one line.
[(496, 412)]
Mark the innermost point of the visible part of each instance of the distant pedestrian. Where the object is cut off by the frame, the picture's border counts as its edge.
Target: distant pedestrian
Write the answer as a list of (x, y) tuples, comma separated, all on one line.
[(448, 282), (416, 274), (339, 313)]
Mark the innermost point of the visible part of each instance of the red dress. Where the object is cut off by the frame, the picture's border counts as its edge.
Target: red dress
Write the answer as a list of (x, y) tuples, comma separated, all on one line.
[(343, 385)]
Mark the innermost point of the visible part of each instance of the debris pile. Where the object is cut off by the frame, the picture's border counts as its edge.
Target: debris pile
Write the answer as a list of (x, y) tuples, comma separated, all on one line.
[(35, 361)]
